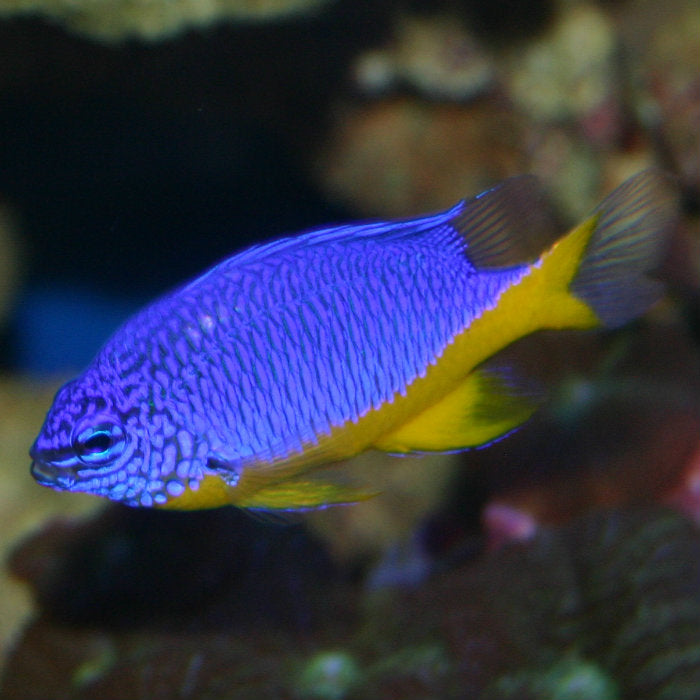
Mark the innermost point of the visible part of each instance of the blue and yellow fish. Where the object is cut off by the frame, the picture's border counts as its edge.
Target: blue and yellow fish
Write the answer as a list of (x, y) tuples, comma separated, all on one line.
[(239, 387)]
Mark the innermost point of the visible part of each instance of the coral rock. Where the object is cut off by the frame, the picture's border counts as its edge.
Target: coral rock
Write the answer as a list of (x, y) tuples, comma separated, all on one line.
[(113, 20)]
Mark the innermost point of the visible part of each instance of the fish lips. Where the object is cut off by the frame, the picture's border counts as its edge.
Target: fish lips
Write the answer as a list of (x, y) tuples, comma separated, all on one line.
[(48, 474), (53, 469)]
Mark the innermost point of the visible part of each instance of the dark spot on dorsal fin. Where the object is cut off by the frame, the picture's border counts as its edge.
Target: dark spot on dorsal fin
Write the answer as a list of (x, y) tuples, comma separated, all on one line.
[(510, 224)]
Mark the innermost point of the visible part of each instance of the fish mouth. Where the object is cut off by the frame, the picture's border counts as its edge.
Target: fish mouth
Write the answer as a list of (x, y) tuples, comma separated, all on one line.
[(48, 474)]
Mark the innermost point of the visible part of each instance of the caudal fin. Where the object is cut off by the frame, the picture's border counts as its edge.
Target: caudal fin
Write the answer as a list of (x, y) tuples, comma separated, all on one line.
[(631, 227)]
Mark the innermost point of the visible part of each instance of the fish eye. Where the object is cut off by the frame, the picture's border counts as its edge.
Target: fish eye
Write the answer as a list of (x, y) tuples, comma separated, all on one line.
[(98, 443)]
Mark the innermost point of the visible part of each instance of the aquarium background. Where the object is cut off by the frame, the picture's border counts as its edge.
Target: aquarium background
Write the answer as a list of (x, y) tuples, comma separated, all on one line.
[(140, 142)]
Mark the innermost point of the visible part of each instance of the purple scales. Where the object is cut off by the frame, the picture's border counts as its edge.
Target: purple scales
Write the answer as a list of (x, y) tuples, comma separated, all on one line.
[(271, 349)]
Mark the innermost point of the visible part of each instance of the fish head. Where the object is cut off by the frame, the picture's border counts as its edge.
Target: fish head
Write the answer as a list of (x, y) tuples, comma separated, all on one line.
[(126, 441), (86, 443)]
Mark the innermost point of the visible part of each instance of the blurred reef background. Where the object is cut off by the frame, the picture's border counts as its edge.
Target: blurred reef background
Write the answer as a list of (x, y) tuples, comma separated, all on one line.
[(141, 141)]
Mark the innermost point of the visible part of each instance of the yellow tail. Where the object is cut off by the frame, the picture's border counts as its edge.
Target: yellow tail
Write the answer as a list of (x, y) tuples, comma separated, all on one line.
[(626, 246), (600, 272)]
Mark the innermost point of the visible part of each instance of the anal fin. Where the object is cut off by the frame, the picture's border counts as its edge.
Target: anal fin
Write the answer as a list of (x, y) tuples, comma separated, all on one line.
[(489, 403), (305, 492)]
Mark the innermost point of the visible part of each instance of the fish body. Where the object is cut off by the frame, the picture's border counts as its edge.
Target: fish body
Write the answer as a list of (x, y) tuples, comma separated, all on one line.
[(239, 387)]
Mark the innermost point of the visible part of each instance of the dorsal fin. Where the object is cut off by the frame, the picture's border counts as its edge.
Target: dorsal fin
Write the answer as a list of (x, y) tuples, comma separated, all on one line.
[(510, 224), (361, 230)]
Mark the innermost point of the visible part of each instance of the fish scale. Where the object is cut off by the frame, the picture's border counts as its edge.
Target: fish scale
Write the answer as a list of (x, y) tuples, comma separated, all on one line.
[(328, 332)]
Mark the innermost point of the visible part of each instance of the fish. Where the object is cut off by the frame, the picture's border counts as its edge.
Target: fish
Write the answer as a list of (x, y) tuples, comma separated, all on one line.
[(242, 386)]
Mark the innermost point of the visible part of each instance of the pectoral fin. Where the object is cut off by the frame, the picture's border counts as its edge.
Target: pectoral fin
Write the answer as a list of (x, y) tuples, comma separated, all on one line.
[(489, 403)]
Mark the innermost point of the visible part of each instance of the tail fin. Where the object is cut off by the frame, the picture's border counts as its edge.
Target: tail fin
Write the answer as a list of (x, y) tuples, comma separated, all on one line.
[(625, 247)]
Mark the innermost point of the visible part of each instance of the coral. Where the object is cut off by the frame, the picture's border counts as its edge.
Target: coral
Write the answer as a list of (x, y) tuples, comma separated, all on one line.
[(130, 567), (328, 676), (518, 105), (600, 92), (405, 156), (605, 607), (641, 609), (619, 590), (112, 20), (569, 678), (568, 71), (435, 56), (663, 54)]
